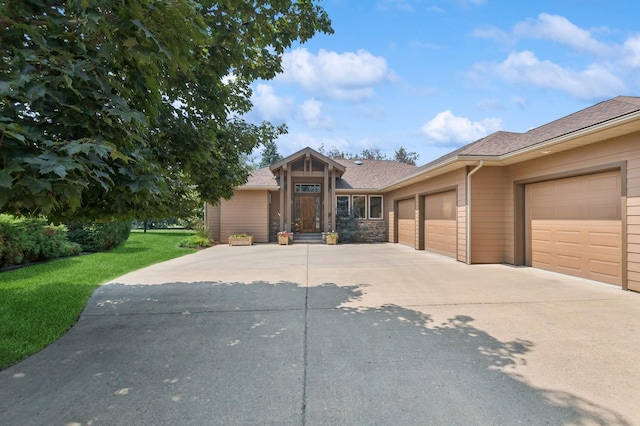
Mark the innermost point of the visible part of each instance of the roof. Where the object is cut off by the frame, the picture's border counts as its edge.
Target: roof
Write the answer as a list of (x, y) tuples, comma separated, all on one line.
[(372, 174), (501, 143), (382, 174)]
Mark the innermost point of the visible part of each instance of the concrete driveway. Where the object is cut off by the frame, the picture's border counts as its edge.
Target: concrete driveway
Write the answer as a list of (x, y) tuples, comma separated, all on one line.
[(348, 334)]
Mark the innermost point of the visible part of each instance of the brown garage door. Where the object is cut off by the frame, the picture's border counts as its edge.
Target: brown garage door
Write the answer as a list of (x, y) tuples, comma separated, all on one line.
[(407, 222), (574, 226), (440, 223)]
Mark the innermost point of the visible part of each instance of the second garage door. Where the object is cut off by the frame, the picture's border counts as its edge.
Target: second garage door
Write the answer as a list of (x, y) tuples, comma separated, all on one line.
[(440, 228), (407, 222), (574, 226)]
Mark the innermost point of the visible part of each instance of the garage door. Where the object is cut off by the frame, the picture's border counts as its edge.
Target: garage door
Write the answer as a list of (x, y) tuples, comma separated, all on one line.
[(574, 226), (407, 222), (440, 223)]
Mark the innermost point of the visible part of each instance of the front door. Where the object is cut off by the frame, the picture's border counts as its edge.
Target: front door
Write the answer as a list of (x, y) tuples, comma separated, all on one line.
[(308, 213)]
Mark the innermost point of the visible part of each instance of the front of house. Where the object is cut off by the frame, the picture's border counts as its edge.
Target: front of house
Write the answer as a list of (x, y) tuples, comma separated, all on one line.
[(563, 197)]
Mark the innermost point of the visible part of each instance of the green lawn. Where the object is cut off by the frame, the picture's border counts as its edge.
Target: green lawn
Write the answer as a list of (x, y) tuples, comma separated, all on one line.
[(39, 303)]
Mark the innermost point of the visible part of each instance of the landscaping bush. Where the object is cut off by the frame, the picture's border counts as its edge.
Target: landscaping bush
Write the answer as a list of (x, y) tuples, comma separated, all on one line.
[(99, 236), (195, 241), (24, 240)]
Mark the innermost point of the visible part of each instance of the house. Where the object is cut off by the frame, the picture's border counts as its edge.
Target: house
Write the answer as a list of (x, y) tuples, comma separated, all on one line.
[(563, 197)]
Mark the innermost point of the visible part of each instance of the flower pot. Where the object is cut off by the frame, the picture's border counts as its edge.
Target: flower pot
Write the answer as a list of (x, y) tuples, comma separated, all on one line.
[(241, 241), (332, 240), (284, 240)]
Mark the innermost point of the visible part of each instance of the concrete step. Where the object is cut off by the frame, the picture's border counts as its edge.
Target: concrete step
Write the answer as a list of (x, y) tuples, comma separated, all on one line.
[(307, 238)]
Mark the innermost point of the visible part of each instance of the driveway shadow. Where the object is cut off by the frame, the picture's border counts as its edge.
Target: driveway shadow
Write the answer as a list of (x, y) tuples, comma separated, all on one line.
[(262, 353)]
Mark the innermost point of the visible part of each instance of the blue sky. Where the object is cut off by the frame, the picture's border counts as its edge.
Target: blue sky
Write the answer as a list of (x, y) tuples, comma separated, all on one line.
[(433, 75)]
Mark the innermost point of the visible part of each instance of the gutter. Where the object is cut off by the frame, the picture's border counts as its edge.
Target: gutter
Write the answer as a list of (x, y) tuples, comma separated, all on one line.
[(468, 224)]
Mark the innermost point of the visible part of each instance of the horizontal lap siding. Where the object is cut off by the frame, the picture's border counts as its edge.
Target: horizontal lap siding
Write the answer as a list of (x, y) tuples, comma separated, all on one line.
[(488, 211), (247, 211)]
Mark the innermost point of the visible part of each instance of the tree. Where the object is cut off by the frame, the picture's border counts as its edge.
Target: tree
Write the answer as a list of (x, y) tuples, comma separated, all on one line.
[(270, 154), (371, 154), (103, 104), (404, 156)]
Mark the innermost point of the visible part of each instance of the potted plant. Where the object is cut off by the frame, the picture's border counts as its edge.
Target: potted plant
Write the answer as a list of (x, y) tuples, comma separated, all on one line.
[(285, 238), (332, 238), (241, 239)]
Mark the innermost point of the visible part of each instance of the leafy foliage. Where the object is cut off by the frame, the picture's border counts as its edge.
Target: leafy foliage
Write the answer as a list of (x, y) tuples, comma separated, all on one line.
[(401, 154), (94, 237), (111, 108), (24, 240), (405, 156), (195, 241)]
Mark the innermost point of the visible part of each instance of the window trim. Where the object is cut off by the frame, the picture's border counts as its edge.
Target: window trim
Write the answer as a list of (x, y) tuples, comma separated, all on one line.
[(366, 204), (381, 197)]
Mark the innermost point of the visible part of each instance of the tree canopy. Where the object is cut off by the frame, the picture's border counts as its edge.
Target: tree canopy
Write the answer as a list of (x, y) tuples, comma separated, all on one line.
[(107, 108), (401, 155), (270, 154)]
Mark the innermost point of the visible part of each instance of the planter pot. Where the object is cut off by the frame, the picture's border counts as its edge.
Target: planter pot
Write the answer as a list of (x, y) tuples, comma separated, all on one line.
[(241, 241), (332, 240), (284, 240)]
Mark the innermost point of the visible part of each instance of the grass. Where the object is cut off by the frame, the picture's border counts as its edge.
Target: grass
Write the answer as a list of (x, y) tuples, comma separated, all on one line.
[(39, 303)]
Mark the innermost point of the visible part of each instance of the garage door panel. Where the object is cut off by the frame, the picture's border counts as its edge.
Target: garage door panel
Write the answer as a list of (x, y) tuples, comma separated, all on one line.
[(589, 249), (440, 223), (406, 223)]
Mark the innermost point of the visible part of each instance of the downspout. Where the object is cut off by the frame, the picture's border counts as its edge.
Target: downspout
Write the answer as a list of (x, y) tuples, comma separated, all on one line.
[(480, 164)]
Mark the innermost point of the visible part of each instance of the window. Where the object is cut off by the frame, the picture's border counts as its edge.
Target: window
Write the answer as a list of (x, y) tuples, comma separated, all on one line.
[(308, 187), (342, 209), (375, 206), (359, 205)]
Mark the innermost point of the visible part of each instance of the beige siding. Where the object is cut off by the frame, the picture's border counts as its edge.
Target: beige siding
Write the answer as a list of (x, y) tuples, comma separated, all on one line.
[(212, 221), (450, 181), (633, 243), (247, 211), (488, 215)]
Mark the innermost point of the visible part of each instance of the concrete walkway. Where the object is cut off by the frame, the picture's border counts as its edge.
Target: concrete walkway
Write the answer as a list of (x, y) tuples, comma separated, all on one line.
[(347, 334)]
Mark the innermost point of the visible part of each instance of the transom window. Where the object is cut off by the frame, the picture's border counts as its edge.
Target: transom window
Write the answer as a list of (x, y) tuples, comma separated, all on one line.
[(308, 188)]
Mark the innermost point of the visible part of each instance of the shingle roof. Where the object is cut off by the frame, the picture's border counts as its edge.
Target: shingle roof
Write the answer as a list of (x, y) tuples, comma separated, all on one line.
[(501, 143), (372, 174), (262, 177), (377, 174)]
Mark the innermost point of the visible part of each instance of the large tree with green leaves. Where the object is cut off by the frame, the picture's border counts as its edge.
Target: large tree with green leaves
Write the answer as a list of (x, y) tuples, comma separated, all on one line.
[(107, 107)]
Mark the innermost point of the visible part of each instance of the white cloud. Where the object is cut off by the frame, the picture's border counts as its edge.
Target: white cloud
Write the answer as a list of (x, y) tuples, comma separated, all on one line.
[(631, 52), (495, 34), (270, 106), (447, 129), (348, 75), (310, 112), (524, 67), (521, 102), (292, 142), (560, 29)]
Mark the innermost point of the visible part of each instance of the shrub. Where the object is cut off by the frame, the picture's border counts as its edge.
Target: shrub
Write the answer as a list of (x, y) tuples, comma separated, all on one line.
[(195, 241), (24, 240), (99, 236)]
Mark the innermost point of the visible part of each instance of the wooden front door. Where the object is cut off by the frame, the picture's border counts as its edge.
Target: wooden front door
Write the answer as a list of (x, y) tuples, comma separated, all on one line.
[(308, 213)]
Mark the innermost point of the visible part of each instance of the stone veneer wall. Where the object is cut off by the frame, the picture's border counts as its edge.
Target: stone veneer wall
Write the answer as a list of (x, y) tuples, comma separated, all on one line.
[(371, 231)]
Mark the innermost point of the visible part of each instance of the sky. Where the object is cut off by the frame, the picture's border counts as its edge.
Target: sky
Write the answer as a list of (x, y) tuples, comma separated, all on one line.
[(433, 75)]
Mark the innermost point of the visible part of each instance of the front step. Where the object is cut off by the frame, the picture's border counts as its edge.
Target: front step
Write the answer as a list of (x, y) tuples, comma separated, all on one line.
[(307, 238)]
